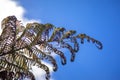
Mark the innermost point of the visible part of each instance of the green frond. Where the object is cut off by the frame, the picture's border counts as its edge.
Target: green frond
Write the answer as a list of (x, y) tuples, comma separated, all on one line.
[(4, 22), (40, 55), (6, 65), (56, 51), (96, 42), (26, 63), (76, 44), (57, 32), (68, 34), (49, 26), (69, 47)]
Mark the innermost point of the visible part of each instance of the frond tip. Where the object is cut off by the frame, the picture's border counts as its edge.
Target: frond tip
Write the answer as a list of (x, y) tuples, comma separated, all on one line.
[(96, 42)]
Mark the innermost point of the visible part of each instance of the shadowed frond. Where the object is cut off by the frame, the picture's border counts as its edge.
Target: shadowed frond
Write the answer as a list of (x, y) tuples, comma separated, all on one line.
[(41, 56)]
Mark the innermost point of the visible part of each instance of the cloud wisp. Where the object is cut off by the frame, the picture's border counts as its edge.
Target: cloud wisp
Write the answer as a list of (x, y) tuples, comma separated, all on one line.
[(10, 7)]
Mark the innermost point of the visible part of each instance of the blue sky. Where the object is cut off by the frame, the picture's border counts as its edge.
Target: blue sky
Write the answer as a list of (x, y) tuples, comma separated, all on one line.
[(97, 18)]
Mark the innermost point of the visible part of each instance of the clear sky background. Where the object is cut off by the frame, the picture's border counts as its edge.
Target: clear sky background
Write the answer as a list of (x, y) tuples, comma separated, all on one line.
[(97, 18)]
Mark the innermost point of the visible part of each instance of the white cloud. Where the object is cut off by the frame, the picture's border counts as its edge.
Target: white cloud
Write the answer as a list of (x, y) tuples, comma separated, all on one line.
[(10, 7)]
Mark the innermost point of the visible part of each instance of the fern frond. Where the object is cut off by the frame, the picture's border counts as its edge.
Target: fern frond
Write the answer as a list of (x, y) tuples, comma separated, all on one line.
[(96, 42)]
